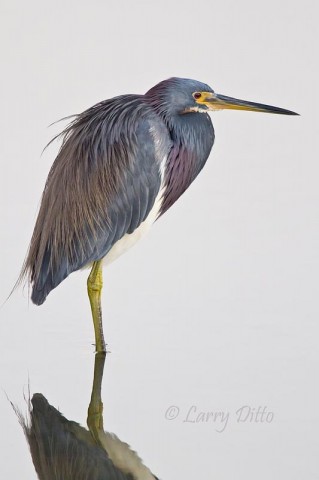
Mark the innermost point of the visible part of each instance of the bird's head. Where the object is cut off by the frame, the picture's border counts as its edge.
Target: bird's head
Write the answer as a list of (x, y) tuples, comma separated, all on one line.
[(177, 96)]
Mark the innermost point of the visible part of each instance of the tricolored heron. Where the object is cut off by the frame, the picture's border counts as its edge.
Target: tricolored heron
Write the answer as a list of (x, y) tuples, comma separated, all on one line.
[(122, 164), (63, 450)]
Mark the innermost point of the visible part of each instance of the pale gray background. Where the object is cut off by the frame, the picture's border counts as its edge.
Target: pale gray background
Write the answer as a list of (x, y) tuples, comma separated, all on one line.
[(218, 307)]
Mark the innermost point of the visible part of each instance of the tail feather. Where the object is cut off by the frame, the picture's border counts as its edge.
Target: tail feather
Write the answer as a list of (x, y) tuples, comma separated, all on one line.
[(47, 278)]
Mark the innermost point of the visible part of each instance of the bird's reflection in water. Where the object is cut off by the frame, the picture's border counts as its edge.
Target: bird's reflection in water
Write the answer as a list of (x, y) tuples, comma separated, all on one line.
[(63, 450)]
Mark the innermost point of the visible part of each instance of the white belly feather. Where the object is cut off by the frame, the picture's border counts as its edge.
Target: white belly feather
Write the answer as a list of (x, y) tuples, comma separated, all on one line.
[(123, 457)]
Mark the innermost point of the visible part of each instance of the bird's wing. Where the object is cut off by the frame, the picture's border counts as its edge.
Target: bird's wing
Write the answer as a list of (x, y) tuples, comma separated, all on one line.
[(62, 449), (101, 186)]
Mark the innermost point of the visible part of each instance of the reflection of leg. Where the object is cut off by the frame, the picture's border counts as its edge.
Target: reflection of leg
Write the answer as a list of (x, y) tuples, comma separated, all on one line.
[(95, 411), (95, 283)]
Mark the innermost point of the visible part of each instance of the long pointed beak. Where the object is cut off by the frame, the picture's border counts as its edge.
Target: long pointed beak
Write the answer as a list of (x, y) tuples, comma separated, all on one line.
[(221, 102)]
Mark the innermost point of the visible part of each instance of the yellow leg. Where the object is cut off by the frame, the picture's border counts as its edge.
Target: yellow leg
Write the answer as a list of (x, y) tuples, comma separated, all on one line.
[(95, 284), (95, 410)]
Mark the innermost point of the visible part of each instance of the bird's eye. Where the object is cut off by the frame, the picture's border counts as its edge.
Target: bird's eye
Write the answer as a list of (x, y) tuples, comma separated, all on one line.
[(197, 95)]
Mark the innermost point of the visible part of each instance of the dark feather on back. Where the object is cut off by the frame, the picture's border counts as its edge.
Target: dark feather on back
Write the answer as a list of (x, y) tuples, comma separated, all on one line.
[(63, 450), (102, 185)]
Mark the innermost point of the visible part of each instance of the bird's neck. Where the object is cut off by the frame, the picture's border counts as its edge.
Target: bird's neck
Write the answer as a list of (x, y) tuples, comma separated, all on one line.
[(193, 131), (193, 137)]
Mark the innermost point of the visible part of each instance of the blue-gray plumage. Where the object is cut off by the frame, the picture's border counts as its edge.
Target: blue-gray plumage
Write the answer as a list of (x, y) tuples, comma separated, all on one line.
[(63, 450), (122, 164)]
